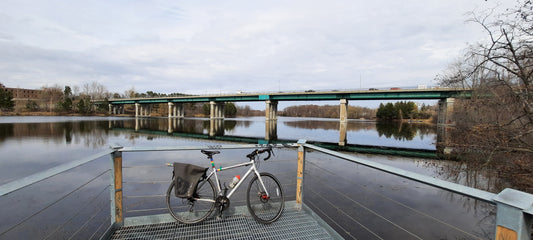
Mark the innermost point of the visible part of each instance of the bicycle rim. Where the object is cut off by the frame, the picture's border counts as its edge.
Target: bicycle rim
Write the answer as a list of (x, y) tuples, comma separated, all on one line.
[(191, 211), (265, 209)]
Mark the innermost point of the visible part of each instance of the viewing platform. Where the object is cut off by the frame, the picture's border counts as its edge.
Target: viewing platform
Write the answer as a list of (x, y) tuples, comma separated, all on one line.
[(324, 196)]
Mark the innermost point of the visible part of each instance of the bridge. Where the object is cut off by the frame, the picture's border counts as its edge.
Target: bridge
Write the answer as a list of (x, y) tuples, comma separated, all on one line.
[(175, 104)]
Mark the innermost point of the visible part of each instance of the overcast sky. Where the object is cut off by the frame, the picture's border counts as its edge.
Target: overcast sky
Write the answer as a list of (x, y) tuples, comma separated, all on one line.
[(227, 46)]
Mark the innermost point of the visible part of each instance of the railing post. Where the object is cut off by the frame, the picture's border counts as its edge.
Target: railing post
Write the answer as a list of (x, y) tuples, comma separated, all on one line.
[(117, 216), (300, 174), (512, 222)]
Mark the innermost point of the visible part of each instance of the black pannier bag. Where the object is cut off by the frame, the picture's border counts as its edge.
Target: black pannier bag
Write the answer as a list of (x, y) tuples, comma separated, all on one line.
[(186, 178)]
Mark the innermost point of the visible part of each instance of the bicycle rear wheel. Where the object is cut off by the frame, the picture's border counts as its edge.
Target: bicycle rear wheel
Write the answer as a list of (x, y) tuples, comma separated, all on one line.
[(191, 211), (265, 208)]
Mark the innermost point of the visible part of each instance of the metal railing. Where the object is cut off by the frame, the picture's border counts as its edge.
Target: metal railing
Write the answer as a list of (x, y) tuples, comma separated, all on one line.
[(514, 208), (514, 216), (46, 205)]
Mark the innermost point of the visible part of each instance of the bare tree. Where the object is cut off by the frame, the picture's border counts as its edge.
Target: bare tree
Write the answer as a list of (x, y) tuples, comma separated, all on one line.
[(130, 93), (95, 90), (51, 95), (497, 123), (507, 67)]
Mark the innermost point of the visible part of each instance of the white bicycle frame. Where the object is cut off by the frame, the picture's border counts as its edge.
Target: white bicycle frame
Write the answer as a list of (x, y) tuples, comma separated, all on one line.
[(219, 189)]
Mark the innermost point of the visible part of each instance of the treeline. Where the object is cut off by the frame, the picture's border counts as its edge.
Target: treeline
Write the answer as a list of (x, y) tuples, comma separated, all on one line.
[(327, 111), (404, 110), (131, 93), (69, 99)]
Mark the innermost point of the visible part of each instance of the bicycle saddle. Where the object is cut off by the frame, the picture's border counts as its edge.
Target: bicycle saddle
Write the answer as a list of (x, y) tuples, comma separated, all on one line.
[(209, 153)]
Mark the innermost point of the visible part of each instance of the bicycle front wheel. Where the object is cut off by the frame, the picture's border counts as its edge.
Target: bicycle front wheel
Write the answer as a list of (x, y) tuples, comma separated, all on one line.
[(265, 208), (188, 210)]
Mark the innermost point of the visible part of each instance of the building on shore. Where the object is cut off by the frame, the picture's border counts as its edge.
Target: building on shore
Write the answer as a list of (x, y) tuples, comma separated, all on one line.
[(21, 96)]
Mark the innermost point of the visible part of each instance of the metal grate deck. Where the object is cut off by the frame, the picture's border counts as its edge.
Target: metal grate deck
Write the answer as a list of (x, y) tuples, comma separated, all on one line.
[(293, 224)]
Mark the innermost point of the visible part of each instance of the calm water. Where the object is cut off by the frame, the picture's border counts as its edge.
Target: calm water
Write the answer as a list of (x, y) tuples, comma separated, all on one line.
[(31, 144)]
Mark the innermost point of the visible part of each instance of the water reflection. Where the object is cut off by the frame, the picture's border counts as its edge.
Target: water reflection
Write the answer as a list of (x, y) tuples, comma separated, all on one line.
[(329, 124), (404, 131), (364, 133), (90, 133)]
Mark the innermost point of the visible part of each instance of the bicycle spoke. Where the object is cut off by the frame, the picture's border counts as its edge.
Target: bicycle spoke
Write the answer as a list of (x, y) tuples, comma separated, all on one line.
[(192, 210), (265, 208)]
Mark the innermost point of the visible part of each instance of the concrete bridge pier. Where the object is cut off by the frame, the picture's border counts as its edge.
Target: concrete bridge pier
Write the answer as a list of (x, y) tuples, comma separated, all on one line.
[(148, 110), (171, 112), (271, 111), (142, 110), (446, 111), (116, 109), (179, 112), (343, 122), (216, 110), (175, 110)]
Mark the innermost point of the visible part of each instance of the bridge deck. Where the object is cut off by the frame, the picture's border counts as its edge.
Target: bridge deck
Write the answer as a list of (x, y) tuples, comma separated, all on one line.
[(400, 94), (293, 224)]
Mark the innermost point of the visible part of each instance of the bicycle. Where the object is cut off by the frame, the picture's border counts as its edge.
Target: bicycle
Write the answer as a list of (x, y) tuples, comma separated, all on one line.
[(264, 197)]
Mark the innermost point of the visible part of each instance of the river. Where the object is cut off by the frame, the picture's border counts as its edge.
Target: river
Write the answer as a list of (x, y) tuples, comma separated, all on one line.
[(29, 145)]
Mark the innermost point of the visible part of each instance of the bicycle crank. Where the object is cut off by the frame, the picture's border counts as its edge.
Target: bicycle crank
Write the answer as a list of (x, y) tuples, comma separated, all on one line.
[(222, 203)]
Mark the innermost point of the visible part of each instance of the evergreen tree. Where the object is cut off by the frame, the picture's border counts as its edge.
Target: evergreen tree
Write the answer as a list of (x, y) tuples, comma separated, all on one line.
[(32, 106), (84, 105), (230, 110), (6, 100), (65, 104)]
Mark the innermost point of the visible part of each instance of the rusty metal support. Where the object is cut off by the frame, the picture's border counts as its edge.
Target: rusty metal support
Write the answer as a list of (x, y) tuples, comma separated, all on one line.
[(300, 174), (117, 215)]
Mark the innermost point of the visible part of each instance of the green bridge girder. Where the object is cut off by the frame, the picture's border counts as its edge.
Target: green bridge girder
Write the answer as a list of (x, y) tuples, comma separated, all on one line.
[(403, 94)]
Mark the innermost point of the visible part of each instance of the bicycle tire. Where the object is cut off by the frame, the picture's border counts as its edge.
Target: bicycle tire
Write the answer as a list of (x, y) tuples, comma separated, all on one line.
[(189, 211), (265, 209)]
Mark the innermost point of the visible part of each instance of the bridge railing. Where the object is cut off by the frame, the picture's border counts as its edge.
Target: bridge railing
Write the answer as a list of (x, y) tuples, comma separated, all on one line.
[(388, 196), (68, 201)]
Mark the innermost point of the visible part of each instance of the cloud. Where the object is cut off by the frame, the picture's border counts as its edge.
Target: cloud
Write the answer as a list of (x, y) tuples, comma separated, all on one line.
[(213, 46)]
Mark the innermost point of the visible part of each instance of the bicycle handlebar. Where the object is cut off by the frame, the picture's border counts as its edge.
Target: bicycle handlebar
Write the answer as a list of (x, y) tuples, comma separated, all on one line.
[(257, 151)]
